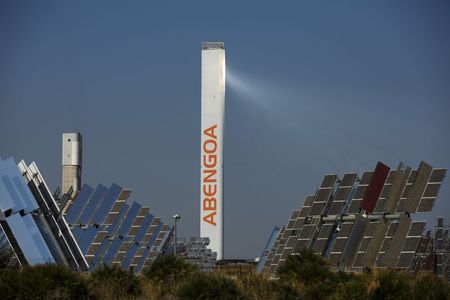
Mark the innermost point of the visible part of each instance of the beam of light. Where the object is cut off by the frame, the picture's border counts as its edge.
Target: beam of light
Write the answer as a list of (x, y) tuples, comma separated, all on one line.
[(300, 113)]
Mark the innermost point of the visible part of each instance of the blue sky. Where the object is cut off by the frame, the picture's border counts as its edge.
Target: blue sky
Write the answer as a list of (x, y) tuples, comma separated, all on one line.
[(314, 87)]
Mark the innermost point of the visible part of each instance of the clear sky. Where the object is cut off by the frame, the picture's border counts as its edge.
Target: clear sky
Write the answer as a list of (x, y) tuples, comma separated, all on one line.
[(314, 87)]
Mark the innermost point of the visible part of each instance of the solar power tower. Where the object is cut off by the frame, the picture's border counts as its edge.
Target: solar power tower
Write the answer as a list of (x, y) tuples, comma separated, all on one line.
[(212, 125), (362, 221), (71, 162), (110, 230)]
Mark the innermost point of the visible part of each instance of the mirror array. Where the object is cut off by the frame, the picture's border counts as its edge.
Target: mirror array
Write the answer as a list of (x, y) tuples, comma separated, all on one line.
[(359, 222), (99, 226), (31, 225), (433, 252), (111, 230)]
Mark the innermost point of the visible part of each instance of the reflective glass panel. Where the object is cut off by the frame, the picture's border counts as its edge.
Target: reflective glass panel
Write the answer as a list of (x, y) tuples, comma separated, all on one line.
[(107, 204), (92, 205), (78, 204)]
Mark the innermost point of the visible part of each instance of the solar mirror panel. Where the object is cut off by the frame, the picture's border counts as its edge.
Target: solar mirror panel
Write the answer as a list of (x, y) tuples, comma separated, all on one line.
[(375, 244), (271, 254), (140, 245), (321, 243), (87, 238), (110, 200), (130, 240), (404, 260), (25, 194), (375, 187), (286, 243), (98, 255), (15, 195), (366, 177), (92, 205), (339, 243), (411, 244), (112, 250), (129, 219), (110, 237), (322, 199), (360, 259), (29, 239), (328, 181), (353, 241), (74, 212), (417, 228), (398, 239), (348, 179), (413, 199), (342, 193), (431, 190), (115, 212), (122, 233), (54, 229), (146, 253), (426, 205), (126, 262), (145, 226), (106, 204), (438, 175)]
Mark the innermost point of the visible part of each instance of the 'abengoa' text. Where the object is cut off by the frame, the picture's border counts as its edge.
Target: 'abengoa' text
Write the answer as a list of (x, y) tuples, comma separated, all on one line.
[(209, 175)]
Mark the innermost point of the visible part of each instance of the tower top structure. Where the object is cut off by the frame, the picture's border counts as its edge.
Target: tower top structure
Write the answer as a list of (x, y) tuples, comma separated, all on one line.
[(213, 45)]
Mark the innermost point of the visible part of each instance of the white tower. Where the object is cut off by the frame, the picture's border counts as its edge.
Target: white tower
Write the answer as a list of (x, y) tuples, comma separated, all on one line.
[(71, 162), (212, 115)]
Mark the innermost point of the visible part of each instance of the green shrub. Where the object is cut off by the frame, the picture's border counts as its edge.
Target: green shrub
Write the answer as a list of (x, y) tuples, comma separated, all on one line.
[(42, 282), (393, 285), (257, 287), (305, 266), (112, 282), (168, 269), (209, 286), (429, 287), (352, 286), (306, 275)]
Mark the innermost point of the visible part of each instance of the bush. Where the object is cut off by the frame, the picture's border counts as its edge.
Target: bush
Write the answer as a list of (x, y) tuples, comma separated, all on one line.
[(168, 269), (42, 282), (258, 287), (393, 285), (112, 282), (209, 286), (306, 275), (305, 266), (165, 275), (352, 286), (428, 286)]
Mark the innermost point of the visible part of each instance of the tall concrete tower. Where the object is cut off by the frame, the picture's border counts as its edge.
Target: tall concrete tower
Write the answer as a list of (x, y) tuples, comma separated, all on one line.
[(71, 162), (212, 124)]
